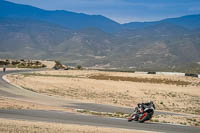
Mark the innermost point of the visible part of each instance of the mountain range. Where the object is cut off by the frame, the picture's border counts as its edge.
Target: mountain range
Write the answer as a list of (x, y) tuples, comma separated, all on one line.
[(97, 41)]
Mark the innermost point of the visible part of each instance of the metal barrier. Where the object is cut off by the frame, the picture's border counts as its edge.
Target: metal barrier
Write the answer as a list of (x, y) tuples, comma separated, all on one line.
[(151, 73), (141, 72), (192, 75), (171, 73)]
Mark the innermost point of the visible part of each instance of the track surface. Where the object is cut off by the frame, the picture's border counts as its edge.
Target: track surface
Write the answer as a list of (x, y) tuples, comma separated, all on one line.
[(8, 90)]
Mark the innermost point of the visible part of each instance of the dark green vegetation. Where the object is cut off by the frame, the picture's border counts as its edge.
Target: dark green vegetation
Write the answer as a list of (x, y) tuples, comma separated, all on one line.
[(92, 40), (58, 65), (21, 64)]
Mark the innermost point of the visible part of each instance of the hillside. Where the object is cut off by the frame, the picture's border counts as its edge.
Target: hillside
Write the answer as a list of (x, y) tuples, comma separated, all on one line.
[(29, 32), (28, 38), (189, 22), (64, 18)]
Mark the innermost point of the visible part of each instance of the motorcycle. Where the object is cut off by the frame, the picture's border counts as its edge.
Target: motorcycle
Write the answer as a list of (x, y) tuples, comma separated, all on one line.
[(142, 113)]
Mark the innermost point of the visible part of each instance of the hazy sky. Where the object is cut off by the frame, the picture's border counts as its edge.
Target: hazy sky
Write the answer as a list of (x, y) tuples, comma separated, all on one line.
[(122, 10)]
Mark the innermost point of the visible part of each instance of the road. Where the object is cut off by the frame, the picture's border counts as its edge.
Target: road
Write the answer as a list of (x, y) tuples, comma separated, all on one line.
[(73, 118)]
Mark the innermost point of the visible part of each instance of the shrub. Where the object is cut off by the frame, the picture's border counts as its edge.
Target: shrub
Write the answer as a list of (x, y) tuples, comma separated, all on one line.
[(79, 67), (58, 65)]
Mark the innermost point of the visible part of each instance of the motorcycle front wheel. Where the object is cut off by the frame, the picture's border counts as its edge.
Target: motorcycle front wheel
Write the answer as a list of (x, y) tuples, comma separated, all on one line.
[(133, 117)]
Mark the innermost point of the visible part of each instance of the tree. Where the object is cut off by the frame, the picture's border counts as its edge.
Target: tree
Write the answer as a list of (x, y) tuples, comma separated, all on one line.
[(79, 67)]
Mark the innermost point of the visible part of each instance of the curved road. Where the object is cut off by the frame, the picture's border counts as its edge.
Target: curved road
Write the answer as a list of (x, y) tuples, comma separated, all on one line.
[(8, 90)]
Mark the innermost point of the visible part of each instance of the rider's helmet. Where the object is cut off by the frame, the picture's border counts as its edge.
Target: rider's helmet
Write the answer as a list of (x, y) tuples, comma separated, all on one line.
[(150, 102)]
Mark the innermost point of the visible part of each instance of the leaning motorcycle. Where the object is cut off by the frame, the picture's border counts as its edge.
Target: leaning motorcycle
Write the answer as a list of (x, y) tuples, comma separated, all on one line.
[(141, 115)]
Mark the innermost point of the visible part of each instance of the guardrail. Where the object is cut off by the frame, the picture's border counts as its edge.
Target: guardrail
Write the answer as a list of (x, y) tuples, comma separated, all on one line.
[(171, 73), (151, 73), (137, 72), (192, 75)]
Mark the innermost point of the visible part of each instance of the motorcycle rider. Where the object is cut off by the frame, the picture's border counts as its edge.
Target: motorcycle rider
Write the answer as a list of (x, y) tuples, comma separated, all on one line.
[(143, 112), (4, 68), (142, 106)]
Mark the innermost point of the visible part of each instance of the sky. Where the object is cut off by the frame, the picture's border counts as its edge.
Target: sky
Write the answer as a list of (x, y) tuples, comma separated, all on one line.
[(122, 11)]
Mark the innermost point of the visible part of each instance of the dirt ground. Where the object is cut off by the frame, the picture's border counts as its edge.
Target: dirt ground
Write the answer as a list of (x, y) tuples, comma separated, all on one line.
[(48, 64), (169, 93), (183, 120), (16, 126), (189, 120), (9, 103)]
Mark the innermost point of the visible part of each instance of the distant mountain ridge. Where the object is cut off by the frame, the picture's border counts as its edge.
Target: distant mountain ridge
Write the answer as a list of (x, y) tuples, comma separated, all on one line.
[(189, 22), (96, 41), (80, 21), (64, 18)]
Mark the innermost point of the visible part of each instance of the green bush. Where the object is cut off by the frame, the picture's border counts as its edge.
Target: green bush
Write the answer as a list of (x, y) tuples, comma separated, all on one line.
[(79, 67)]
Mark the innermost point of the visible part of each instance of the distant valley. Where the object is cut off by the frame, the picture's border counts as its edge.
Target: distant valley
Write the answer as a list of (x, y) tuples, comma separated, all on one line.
[(96, 41)]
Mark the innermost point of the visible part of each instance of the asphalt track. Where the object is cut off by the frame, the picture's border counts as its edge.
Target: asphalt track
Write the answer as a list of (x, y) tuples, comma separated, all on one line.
[(73, 118)]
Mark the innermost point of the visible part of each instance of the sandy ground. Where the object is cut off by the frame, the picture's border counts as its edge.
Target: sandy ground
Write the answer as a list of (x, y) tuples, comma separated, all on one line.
[(77, 85), (9, 103), (15, 126), (48, 64), (189, 120), (183, 120)]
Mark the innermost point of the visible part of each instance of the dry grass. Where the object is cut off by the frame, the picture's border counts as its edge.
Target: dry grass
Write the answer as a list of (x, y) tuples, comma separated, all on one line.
[(8, 103), (142, 80), (190, 120), (15, 126), (183, 120), (48, 64), (105, 114), (170, 93)]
